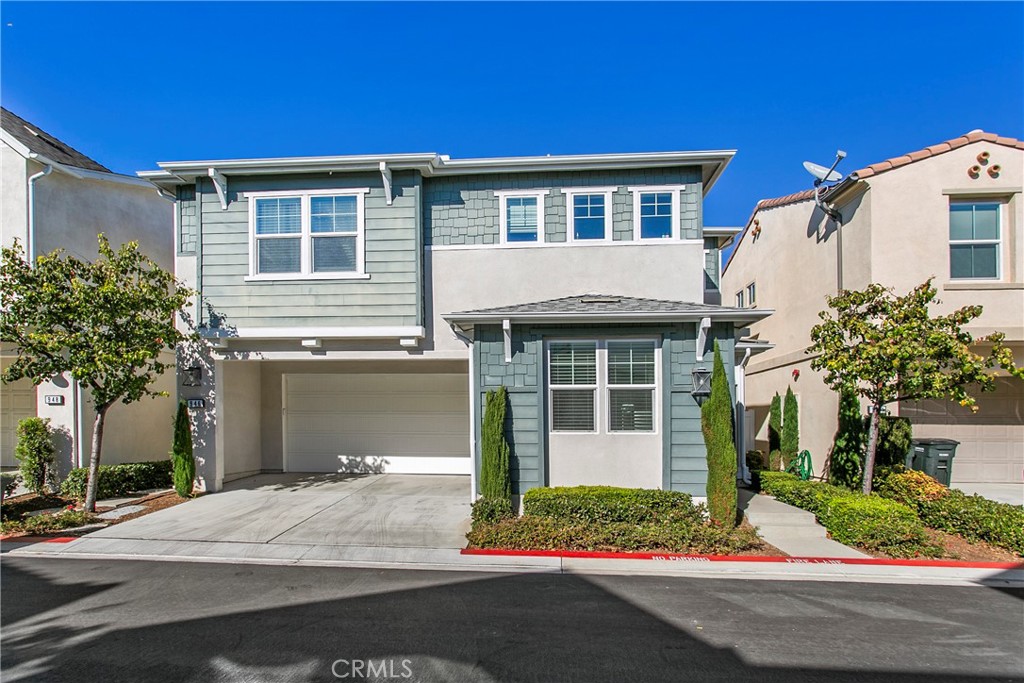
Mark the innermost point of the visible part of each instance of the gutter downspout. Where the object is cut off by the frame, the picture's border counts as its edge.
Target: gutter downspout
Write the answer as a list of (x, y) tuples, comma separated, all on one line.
[(472, 413), (30, 247)]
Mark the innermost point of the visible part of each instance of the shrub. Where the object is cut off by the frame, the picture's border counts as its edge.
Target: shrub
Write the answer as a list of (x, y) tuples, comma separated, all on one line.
[(119, 480), (491, 510), (184, 462), (495, 475), (35, 453), (875, 524), (790, 429), (846, 460), (775, 434), (976, 519), (8, 482), (67, 519), (755, 460), (894, 440), (716, 423), (910, 487), (600, 505)]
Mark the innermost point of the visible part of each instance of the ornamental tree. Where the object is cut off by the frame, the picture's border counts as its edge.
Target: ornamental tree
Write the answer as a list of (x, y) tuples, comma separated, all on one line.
[(775, 433), (716, 420), (790, 443), (105, 322), (889, 348)]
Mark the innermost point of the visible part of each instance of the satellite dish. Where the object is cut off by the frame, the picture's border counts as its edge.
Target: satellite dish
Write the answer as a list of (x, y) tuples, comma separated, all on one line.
[(822, 173)]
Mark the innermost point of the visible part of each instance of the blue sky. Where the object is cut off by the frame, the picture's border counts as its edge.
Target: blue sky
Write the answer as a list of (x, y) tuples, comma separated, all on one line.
[(131, 84)]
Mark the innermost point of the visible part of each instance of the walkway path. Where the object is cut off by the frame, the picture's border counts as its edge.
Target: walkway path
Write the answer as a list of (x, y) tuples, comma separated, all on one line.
[(793, 531)]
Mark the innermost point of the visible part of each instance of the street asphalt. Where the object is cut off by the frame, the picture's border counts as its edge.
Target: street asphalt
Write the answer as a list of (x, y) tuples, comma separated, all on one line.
[(90, 620)]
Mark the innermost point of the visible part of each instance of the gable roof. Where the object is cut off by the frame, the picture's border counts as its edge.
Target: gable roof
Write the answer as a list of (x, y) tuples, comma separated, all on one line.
[(874, 169), (40, 142), (605, 307)]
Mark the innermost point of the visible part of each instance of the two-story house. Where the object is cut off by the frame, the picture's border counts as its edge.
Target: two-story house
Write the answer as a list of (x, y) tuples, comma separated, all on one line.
[(952, 212), (54, 197), (358, 308)]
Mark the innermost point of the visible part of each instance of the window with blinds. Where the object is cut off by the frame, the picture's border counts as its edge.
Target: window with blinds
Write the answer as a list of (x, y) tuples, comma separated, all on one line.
[(631, 385), (572, 376), (521, 219), (279, 235)]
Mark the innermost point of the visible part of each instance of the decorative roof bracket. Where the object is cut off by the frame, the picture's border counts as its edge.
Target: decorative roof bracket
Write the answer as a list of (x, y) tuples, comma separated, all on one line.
[(702, 338), (220, 183), (385, 174)]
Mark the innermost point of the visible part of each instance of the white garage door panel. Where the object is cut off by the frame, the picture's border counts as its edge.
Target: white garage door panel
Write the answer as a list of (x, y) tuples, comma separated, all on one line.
[(407, 423), (17, 401)]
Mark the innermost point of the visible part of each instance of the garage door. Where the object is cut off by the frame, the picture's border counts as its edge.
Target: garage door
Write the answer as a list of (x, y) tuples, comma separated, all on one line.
[(404, 423), (17, 401), (991, 441)]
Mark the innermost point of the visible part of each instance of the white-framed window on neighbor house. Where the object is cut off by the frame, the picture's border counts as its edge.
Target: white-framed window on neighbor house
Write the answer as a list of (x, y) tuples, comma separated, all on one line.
[(752, 294), (632, 383), (310, 234), (572, 385), (522, 216), (974, 240), (589, 214), (655, 212), (739, 299)]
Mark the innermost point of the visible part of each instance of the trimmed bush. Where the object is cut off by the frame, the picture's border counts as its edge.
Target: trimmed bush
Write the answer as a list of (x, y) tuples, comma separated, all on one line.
[(184, 462), (608, 505), (8, 482), (119, 480), (495, 475), (910, 488), (491, 510), (895, 435), (35, 453), (846, 461), (717, 426), (775, 434), (976, 519), (790, 444)]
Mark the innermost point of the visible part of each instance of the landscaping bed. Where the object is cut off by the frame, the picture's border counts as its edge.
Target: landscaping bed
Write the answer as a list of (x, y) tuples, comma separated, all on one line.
[(608, 519), (911, 515)]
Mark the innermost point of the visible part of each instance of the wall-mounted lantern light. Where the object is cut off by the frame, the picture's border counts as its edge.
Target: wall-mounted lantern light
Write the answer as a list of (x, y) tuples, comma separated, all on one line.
[(193, 376), (701, 385)]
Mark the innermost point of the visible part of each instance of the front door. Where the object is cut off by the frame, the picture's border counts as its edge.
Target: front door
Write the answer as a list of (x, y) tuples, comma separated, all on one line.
[(604, 412)]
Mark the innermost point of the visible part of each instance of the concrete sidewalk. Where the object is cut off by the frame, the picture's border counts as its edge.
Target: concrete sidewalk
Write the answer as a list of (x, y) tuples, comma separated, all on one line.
[(794, 531), (1003, 493)]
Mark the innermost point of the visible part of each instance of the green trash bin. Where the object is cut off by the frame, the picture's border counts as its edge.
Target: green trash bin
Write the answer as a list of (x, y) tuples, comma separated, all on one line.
[(934, 457)]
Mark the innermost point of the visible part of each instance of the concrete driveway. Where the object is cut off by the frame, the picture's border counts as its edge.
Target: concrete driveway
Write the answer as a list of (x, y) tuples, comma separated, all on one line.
[(372, 510)]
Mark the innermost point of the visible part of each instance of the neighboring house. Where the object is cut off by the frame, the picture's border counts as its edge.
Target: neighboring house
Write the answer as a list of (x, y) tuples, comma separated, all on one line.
[(55, 197), (358, 309), (952, 212)]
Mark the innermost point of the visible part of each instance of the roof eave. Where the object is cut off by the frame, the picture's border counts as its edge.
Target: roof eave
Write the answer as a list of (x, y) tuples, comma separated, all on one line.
[(738, 316)]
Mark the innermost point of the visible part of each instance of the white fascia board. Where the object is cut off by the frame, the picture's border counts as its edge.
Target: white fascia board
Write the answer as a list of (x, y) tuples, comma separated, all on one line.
[(316, 332), (721, 231), (87, 174), (300, 164), (582, 161)]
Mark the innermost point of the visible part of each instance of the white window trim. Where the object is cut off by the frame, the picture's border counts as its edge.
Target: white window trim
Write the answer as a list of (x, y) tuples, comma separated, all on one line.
[(676, 190), (998, 242), (602, 389), (570, 228), (503, 195), (751, 294), (306, 236)]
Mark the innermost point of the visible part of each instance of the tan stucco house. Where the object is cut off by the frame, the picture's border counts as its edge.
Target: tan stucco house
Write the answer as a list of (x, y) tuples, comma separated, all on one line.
[(953, 212), (53, 196)]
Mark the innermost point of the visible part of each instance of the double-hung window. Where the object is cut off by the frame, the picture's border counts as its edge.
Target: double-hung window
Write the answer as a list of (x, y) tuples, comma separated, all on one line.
[(522, 216), (313, 234), (752, 294), (655, 212), (572, 376), (974, 240), (739, 299), (589, 213), (631, 385)]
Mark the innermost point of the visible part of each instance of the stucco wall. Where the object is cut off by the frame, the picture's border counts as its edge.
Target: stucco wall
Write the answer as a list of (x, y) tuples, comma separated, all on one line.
[(238, 419), (13, 196)]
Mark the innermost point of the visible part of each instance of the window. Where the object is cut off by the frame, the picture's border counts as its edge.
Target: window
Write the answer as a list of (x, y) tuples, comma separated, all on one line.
[(739, 299), (311, 234), (631, 380), (656, 212), (624, 372), (974, 240), (752, 294), (589, 212), (522, 216), (572, 374)]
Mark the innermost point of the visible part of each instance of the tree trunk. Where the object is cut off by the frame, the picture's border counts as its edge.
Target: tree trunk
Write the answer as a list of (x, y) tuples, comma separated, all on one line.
[(869, 455), (94, 459)]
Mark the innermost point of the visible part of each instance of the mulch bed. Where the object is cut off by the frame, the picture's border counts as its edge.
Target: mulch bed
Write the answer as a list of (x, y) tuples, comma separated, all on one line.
[(958, 548), (16, 506), (157, 501)]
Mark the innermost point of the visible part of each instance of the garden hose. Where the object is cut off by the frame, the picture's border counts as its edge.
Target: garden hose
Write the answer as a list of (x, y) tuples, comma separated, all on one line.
[(801, 465)]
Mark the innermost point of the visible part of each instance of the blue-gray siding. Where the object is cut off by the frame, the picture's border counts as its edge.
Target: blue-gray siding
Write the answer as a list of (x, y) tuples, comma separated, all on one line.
[(188, 223), (464, 210)]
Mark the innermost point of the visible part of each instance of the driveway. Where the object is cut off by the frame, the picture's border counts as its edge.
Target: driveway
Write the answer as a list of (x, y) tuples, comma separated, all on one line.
[(376, 510)]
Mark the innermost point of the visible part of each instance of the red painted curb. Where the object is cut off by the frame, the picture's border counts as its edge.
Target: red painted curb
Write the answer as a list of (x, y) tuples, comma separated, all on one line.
[(677, 557), (38, 539)]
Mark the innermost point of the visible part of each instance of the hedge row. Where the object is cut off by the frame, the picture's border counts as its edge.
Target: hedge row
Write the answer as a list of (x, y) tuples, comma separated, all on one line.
[(120, 480), (874, 523), (609, 505), (973, 517)]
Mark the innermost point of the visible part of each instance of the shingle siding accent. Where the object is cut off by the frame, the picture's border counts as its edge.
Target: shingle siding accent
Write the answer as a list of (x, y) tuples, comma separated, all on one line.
[(188, 222), (464, 210), (711, 274)]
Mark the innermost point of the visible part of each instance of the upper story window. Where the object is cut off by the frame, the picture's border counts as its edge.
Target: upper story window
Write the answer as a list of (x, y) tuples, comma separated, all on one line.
[(655, 212), (739, 299), (522, 216), (752, 294), (316, 234), (589, 214), (974, 240)]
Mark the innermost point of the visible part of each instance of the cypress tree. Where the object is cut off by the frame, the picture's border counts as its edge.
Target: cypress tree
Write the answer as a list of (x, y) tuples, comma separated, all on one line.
[(717, 425), (181, 453), (790, 429), (845, 463), (775, 433), (495, 477)]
